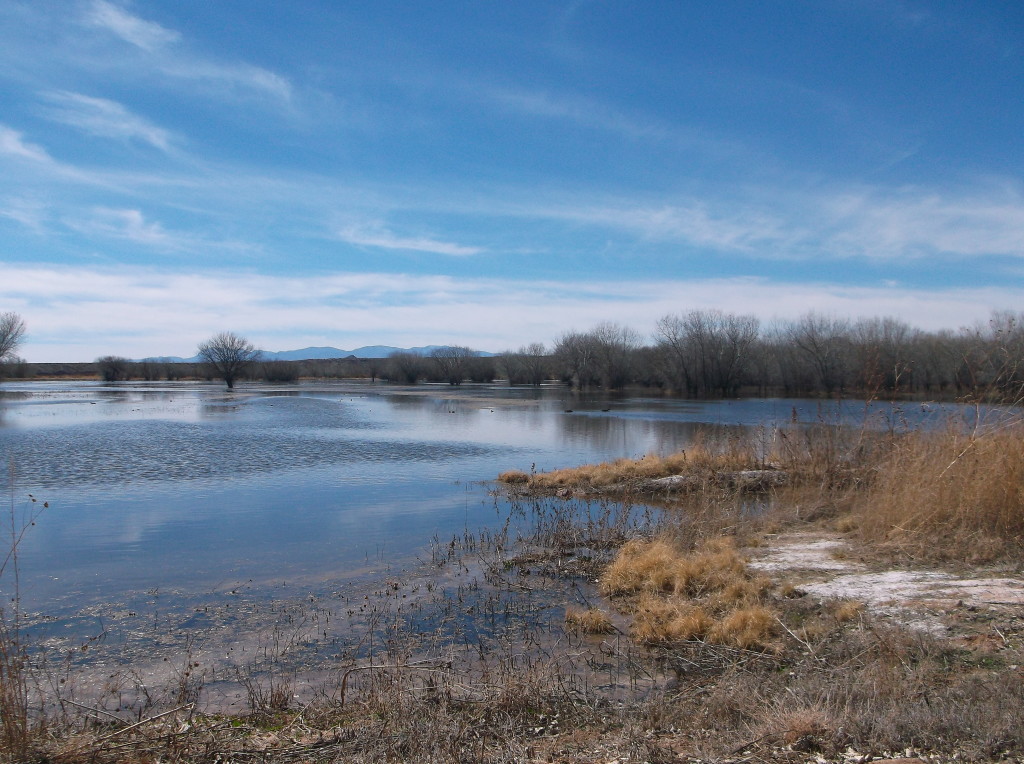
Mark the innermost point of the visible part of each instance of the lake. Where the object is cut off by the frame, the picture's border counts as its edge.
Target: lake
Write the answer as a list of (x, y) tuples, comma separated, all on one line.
[(189, 488)]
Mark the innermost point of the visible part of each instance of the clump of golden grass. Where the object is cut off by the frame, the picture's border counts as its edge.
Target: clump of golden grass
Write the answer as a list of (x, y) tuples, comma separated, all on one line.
[(705, 594), (949, 494), (847, 610), (590, 621), (748, 627), (696, 460), (514, 477), (660, 619), (660, 566)]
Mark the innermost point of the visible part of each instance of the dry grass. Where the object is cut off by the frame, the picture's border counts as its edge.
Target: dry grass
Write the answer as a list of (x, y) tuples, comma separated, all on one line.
[(514, 477), (590, 621), (946, 494), (949, 494), (707, 594), (698, 460), (661, 566)]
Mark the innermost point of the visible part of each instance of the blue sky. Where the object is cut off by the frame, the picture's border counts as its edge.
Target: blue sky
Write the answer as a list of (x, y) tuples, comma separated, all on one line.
[(493, 174)]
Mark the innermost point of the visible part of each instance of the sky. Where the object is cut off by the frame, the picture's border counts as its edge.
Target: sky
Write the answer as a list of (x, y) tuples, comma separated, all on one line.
[(493, 174)]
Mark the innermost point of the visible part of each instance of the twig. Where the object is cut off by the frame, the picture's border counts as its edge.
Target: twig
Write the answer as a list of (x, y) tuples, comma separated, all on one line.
[(794, 636), (92, 710), (145, 721), (425, 665)]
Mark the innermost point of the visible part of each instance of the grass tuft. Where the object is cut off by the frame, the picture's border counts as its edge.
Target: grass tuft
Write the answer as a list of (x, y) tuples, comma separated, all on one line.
[(707, 594), (590, 621)]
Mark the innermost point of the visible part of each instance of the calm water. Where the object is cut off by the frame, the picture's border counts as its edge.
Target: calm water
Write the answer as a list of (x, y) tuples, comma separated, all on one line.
[(186, 487)]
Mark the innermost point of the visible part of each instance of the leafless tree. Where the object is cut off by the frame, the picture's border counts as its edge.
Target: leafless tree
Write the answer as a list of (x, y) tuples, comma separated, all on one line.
[(707, 352), (451, 362), (882, 348), (229, 355), (113, 368), (526, 366), (574, 353), (404, 366), (615, 348), (824, 341), (12, 330)]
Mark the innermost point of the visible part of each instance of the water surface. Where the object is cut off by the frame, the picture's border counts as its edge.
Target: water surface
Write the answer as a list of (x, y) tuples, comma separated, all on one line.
[(187, 487)]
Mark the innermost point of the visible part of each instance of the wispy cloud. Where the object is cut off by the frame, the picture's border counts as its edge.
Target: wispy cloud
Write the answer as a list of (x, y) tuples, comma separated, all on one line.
[(724, 226), (583, 111), (127, 224), (28, 213), (239, 77), (104, 118), (181, 63), (775, 222), (918, 222), (13, 144), (143, 34), (384, 239)]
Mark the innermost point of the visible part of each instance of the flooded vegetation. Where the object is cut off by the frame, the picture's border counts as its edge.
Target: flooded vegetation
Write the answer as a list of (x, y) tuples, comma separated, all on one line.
[(335, 572)]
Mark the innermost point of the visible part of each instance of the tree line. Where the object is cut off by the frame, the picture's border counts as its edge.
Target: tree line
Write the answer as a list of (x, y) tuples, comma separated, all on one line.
[(710, 353), (699, 354)]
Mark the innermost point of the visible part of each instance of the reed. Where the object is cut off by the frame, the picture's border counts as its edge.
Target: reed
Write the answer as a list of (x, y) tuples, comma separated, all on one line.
[(951, 494)]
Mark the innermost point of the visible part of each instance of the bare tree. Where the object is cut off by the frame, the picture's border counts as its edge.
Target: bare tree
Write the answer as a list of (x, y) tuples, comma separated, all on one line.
[(229, 355), (12, 330), (574, 354), (675, 356), (451, 363), (528, 365), (824, 341), (615, 348), (113, 368), (881, 350), (706, 351), (403, 366)]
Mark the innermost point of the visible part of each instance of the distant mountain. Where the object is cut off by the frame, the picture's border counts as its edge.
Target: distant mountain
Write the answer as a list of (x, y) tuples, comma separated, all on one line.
[(320, 353)]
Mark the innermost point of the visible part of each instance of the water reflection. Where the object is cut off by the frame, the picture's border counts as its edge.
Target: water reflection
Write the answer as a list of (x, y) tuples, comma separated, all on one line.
[(187, 485)]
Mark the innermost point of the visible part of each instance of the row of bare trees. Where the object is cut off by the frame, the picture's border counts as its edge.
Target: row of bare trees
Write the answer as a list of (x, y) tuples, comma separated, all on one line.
[(701, 353), (710, 353)]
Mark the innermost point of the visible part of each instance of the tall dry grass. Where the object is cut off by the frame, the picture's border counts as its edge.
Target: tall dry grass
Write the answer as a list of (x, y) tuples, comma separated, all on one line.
[(949, 494)]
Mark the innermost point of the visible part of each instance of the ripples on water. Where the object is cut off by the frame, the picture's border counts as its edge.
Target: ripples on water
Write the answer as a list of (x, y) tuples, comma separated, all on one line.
[(184, 485)]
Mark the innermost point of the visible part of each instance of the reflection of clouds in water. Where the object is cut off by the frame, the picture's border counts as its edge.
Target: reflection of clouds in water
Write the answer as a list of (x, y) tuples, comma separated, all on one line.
[(196, 484)]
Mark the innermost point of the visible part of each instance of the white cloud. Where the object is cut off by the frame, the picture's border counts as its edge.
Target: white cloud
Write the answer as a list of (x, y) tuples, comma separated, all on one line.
[(143, 34), (236, 77), (13, 144), (923, 221), (384, 239), (104, 118), (722, 226), (29, 213), (81, 313), (126, 224), (776, 223), (154, 40)]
